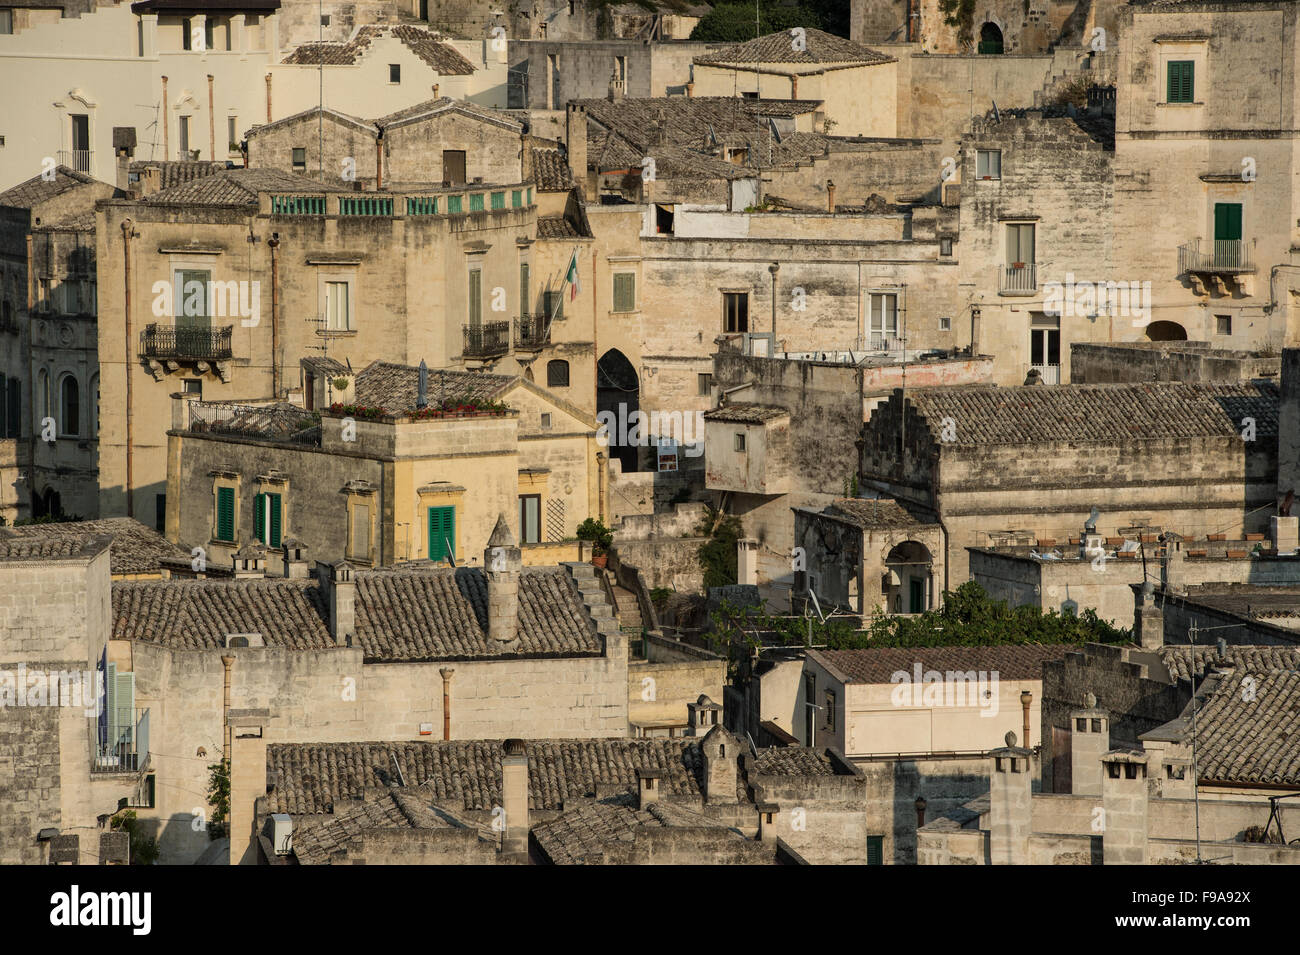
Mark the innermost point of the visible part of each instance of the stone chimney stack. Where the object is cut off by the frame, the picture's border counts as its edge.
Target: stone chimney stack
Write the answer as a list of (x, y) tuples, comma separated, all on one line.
[(502, 562), (768, 813), (648, 784), (296, 566), (249, 562), (1173, 575), (341, 597), (702, 716), (1124, 802), (1149, 618), (1089, 742), (514, 793), (1010, 805), (721, 756), (830, 195), (575, 143), (124, 152)]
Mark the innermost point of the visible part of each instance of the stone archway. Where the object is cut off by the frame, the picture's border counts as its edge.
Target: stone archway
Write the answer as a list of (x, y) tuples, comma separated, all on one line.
[(618, 395), (1166, 332), (990, 39), (909, 578)]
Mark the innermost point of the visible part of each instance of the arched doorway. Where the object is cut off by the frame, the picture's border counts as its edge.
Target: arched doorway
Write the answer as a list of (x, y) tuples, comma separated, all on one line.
[(990, 39), (47, 504), (908, 583), (618, 396), (1166, 332)]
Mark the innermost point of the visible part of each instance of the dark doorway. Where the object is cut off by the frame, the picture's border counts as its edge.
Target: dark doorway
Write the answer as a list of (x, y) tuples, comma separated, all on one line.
[(618, 392), (1166, 332), (453, 167), (990, 39)]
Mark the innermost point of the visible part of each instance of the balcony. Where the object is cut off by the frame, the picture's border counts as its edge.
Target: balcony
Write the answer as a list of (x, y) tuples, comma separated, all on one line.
[(532, 332), (122, 745), (1019, 279), (170, 343), (885, 341), (81, 160), (1048, 374), (1227, 262), (488, 340)]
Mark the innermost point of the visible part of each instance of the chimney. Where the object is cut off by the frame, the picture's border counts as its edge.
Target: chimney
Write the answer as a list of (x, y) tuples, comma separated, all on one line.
[(1150, 619), (268, 97), (514, 793), (1010, 805), (247, 781), (295, 560), (435, 90), (1026, 700), (830, 196), (379, 160), (721, 754), (648, 784), (768, 813), (124, 151), (502, 562), (1286, 534), (575, 142), (1172, 569), (690, 90), (150, 181), (794, 87), (340, 589), (702, 716), (1124, 804), (249, 562), (1089, 741)]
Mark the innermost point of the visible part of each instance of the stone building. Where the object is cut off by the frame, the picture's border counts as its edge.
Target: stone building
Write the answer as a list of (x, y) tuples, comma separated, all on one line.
[(136, 552), (983, 460), (48, 346), (987, 28), (373, 477), (707, 800)]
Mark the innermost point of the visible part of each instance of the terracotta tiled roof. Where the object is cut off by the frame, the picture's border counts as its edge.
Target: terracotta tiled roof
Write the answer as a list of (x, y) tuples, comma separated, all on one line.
[(173, 173), (38, 549), (780, 47), (466, 774), (1098, 413), (238, 187), (395, 388), (400, 808), (550, 167), (37, 189), (136, 549), (1246, 731), (1179, 659), (792, 761), (879, 664), (427, 46), (557, 227), (873, 514), (581, 835), (445, 104), (746, 413)]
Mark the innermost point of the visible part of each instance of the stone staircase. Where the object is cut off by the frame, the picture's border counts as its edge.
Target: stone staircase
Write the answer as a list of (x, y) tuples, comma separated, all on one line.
[(594, 597), (629, 610)]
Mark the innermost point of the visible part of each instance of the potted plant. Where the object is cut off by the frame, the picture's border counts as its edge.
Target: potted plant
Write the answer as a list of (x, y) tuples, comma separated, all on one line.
[(601, 537)]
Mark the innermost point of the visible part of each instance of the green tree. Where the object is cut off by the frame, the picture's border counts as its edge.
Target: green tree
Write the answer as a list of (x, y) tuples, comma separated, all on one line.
[(734, 22), (218, 798), (144, 850), (717, 555)]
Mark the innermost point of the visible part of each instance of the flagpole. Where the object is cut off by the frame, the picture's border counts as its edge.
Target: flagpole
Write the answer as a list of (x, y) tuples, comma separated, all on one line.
[(564, 282)]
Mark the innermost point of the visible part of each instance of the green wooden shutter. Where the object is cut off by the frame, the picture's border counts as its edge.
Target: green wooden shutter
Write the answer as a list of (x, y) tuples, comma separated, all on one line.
[(1227, 221), (475, 297), (624, 292), (442, 532), (225, 513), (181, 297), (124, 718), (524, 297), (259, 518), (275, 520), (1181, 82), (875, 850)]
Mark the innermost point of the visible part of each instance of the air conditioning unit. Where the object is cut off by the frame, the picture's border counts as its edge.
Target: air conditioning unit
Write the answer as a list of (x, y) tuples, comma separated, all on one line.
[(282, 833)]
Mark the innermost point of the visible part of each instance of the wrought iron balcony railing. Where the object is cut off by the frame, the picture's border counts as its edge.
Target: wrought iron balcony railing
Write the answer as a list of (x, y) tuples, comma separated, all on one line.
[(79, 159), (181, 342), (532, 331), (123, 742), (487, 340), (1227, 255)]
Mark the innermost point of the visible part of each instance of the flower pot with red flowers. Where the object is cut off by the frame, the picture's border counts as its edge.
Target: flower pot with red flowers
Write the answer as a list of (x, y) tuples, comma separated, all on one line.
[(601, 537)]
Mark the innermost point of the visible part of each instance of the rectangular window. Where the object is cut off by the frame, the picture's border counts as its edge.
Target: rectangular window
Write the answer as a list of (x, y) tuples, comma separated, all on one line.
[(1020, 245), (160, 513), (455, 204), (338, 307), (553, 303), (810, 706), (299, 159), (945, 323), (498, 200), (476, 202), (739, 443), (624, 291), (830, 710), (705, 385), (988, 164), (453, 167), (546, 421), (475, 297), (525, 298), (226, 514), (194, 386), (190, 298), (232, 132), (185, 137), (735, 312), (875, 850), (6, 22), (442, 533), (945, 246), (1227, 222), (266, 519), (884, 318), (1223, 324), (209, 33), (516, 199), (360, 524), (1181, 86), (14, 409), (530, 518), (394, 72)]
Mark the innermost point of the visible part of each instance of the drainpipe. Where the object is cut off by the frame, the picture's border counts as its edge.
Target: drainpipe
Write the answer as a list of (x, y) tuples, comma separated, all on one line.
[(167, 142), (227, 661), (212, 124), (268, 97), (1025, 699), (774, 268), (830, 196), (379, 159), (274, 244), (446, 701), (127, 234)]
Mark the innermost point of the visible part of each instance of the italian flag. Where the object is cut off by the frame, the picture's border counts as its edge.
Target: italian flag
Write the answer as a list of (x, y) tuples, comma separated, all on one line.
[(571, 276)]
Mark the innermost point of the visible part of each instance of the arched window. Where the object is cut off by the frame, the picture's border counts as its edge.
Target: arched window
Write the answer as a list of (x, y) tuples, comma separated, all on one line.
[(557, 374), (69, 406)]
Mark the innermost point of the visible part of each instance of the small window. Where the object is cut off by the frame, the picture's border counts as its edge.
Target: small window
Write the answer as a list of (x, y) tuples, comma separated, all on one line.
[(735, 312), (705, 384), (226, 514), (945, 246), (160, 513), (546, 421), (945, 323), (624, 291), (69, 407), (498, 200), (1223, 324), (394, 72), (830, 709), (516, 199), (6, 28), (476, 202), (454, 205), (557, 373), (553, 304), (739, 444), (988, 164), (299, 159), (1181, 82), (324, 19), (194, 386), (232, 132), (338, 311)]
